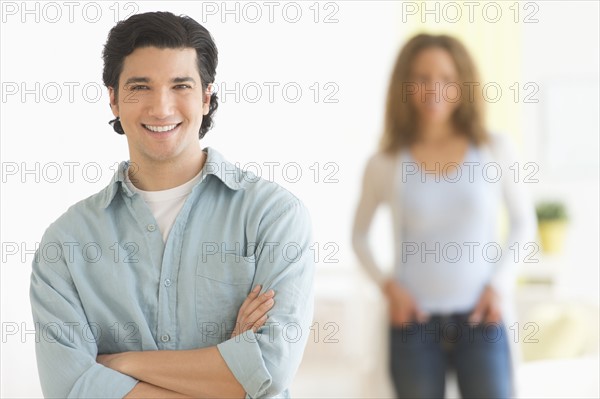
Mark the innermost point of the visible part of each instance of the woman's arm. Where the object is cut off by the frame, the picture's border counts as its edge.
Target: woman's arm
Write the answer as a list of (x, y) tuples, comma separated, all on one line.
[(521, 214), (521, 231), (372, 194)]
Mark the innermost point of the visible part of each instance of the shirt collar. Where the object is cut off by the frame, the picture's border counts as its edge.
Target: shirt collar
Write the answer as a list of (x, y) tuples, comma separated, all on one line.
[(215, 164)]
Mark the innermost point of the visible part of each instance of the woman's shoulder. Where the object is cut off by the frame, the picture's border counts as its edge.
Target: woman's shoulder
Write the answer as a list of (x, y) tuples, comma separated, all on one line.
[(381, 161), (380, 157), (498, 138), (500, 145)]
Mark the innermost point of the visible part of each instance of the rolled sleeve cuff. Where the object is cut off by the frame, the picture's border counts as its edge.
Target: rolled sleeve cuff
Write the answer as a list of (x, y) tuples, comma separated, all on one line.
[(244, 358)]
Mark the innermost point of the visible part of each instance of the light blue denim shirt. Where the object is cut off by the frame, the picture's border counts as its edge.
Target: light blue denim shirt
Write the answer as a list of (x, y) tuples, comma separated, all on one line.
[(103, 281)]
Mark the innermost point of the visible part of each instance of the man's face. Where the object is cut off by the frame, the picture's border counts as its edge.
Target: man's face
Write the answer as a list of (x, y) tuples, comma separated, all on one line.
[(160, 103)]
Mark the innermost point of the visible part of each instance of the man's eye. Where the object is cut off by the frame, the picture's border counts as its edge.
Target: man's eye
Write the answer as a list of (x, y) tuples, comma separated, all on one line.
[(183, 86), (138, 87)]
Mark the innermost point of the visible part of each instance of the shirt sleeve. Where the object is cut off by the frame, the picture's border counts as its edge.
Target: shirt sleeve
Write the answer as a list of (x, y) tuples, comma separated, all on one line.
[(265, 362), (371, 197), (65, 345), (521, 214)]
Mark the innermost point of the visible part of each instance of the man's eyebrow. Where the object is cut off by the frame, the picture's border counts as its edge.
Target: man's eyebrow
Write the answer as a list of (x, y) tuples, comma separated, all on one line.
[(139, 79), (136, 79), (183, 79)]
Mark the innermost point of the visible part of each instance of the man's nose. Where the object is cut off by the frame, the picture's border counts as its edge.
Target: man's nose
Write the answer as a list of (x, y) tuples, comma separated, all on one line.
[(161, 104)]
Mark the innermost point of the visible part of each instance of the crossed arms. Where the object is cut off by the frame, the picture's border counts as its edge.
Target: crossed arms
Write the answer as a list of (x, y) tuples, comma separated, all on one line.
[(195, 373)]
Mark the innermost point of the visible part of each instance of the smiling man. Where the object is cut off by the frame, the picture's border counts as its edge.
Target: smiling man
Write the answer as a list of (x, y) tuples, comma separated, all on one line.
[(190, 289)]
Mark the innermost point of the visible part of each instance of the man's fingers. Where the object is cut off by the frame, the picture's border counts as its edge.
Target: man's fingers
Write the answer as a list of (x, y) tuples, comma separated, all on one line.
[(249, 298), (260, 311), (259, 323), (256, 302), (257, 318), (253, 294)]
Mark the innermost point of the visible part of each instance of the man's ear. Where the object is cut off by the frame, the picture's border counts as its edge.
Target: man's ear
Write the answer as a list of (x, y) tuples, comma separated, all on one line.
[(206, 99), (114, 106)]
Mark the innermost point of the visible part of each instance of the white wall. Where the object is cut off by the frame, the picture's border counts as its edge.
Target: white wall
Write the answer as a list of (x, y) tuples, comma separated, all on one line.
[(560, 54), (354, 54)]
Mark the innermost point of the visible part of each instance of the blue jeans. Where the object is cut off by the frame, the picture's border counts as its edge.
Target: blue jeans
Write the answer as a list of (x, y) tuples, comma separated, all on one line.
[(422, 353)]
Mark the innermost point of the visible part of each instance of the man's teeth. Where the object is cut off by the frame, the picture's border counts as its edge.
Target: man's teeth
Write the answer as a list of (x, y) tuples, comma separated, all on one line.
[(160, 128)]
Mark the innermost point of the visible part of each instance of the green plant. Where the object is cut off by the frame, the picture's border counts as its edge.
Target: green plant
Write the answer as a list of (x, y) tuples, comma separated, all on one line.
[(551, 210)]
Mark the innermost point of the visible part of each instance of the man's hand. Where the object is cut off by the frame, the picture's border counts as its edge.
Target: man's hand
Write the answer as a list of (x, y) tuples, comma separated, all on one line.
[(487, 308), (402, 306), (253, 312)]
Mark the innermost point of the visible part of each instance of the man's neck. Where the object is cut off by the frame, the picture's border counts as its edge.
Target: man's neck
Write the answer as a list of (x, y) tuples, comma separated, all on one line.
[(157, 176)]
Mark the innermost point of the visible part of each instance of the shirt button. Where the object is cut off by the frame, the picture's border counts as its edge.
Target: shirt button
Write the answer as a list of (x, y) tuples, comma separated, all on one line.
[(151, 227), (165, 338), (167, 282)]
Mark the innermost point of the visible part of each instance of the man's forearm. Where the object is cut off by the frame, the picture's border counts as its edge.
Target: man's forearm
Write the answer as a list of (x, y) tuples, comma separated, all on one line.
[(201, 373), (145, 390)]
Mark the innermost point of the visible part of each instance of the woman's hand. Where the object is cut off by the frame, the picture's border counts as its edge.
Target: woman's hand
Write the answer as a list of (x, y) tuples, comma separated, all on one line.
[(487, 308), (402, 307), (253, 312)]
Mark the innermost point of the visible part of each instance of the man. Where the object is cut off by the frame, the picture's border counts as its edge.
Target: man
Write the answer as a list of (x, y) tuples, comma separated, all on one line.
[(145, 289)]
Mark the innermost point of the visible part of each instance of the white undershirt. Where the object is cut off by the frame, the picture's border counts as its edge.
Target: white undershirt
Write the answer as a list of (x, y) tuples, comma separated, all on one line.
[(166, 204)]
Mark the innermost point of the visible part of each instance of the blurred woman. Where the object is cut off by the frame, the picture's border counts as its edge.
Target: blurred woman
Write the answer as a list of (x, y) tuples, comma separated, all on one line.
[(444, 176)]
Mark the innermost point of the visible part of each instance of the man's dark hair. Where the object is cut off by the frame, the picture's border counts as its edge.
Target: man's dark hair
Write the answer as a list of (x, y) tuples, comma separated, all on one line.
[(162, 30)]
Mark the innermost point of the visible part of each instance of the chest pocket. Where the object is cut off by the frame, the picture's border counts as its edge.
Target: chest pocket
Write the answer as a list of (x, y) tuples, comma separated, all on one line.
[(223, 281)]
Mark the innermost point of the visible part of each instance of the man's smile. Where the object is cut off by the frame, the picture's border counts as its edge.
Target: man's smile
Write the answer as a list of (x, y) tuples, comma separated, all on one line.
[(161, 128)]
